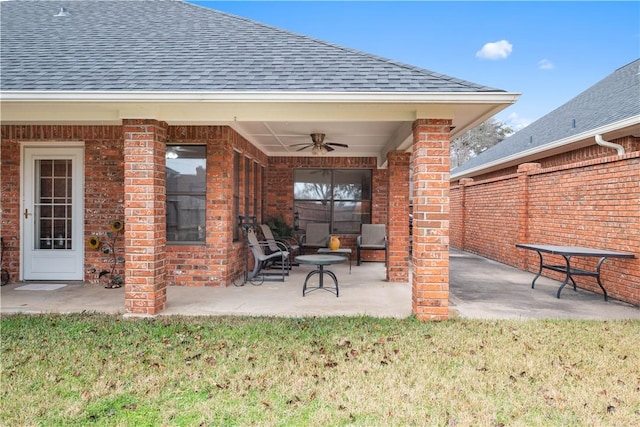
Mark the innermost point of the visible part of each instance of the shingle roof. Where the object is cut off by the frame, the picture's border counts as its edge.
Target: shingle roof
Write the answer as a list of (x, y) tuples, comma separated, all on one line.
[(615, 98), (172, 46)]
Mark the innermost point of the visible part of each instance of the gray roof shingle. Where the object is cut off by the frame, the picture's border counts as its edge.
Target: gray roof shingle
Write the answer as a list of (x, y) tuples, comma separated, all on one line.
[(171, 46), (615, 98)]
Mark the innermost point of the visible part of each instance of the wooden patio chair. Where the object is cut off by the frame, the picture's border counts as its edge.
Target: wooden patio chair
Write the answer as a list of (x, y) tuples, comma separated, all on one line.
[(373, 237)]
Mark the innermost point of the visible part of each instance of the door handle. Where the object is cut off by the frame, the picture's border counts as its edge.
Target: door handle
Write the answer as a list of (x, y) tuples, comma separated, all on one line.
[(27, 213)]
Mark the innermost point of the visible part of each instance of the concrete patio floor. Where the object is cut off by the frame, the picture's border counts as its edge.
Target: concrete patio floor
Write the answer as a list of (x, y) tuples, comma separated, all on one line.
[(485, 289), (479, 288)]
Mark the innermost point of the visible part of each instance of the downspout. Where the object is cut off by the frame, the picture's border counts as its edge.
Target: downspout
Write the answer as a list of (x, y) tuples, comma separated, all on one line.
[(604, 143)]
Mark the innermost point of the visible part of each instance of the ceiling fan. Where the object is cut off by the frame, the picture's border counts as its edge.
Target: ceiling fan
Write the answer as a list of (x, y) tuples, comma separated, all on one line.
[(318, 146)]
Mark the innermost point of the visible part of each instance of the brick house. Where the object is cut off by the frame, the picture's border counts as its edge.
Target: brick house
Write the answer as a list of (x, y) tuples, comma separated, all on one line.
[(570, 178), (178, 119)]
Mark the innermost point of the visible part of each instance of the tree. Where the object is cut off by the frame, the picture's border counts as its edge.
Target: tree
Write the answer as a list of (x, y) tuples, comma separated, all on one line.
[(477, 140)]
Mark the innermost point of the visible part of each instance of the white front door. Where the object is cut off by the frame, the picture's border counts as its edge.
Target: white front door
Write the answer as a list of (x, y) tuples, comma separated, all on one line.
[(52, 194)]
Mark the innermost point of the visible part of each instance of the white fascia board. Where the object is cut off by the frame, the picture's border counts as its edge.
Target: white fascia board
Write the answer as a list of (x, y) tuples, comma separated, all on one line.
[(612, 127), (363, 97)]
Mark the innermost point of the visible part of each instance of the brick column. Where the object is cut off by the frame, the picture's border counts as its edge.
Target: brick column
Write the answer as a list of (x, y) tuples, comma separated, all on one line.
[(524, 171), (145, 216), (431, 163), (227, 258), (463, 183), (398, 217)]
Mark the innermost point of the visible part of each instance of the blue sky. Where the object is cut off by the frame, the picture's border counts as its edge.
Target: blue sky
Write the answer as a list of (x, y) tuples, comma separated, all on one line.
[(548, 51)]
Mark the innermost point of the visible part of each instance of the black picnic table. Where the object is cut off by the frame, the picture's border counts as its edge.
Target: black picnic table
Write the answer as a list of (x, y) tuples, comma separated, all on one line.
[(573, 251)]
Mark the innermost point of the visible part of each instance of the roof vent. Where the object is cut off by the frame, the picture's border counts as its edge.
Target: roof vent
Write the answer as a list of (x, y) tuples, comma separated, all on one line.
[(63, 12), (531, 139), (573, 123)]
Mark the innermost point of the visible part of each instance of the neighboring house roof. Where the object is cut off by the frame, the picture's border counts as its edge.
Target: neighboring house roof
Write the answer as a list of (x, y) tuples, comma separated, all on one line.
[(173, 46), (610, 104)]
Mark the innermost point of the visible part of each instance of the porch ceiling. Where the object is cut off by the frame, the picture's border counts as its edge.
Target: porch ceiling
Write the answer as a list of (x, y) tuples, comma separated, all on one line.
[(372, 124)]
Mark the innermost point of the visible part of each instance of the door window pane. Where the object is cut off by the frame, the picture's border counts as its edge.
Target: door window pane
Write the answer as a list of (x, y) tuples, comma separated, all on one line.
[(53, 205)]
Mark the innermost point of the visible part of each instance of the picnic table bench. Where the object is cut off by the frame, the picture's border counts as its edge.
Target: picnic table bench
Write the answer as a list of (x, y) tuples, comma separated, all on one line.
[(573, 251)]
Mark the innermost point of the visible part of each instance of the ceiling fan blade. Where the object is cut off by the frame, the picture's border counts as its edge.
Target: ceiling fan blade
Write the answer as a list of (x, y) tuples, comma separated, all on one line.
[(336, 144), (304, 143), (328, 147), (304, 148)]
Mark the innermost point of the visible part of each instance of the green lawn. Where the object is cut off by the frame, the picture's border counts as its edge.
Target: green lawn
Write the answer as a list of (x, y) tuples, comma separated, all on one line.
[(94, 369)]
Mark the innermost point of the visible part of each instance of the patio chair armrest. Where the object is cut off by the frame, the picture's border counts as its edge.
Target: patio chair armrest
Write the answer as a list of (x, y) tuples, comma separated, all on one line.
[(359, 240), (282, 245), (292, 240), (288, 244), (262, 244)]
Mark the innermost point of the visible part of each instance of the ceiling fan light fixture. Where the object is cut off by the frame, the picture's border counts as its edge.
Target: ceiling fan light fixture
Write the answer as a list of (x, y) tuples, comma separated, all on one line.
[(319, 150), (317, 145), (317, 138)]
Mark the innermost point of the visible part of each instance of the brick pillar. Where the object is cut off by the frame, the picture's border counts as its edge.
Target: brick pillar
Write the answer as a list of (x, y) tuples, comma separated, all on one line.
[(398, 217), (463, 183), (220, 220), (145, 216), (524, 171), (431, 163)]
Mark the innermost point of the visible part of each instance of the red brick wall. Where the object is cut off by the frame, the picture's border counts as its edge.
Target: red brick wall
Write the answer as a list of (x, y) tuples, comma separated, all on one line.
[(431, 165), (214, 263), (457, 216), (104, 192), (145, 233), (220, 259), (10, 200), (488, 215), (398, 226), (279, 197), (593, 203)]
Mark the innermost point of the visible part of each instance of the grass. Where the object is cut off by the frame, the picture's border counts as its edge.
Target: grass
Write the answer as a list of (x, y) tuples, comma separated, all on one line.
[(94, 369)]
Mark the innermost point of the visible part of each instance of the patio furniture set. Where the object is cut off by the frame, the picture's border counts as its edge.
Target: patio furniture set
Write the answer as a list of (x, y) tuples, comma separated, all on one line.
[(283, 253), (274, 256)]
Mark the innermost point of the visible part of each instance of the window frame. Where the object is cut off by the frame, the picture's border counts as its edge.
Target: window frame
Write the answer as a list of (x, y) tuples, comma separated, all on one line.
[(333, 200), (236, 196), (198, 194)]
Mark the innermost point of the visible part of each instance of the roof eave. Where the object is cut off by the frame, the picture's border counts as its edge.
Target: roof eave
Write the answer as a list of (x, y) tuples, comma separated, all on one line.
[(248, 96)]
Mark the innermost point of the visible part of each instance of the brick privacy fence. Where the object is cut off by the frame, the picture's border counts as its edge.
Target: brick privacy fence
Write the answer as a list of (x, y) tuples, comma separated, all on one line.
[(593, 203)]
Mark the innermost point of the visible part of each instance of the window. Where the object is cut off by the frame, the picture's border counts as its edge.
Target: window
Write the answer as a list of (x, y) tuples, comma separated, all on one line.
[(247, 186), (256, 186), (186, 175), (341, 197), (263, 183), (236, 195)]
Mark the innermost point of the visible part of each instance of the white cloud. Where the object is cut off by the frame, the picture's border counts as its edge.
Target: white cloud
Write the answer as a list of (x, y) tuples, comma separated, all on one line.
[(496, 50), (515, 122), (545, 64)]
